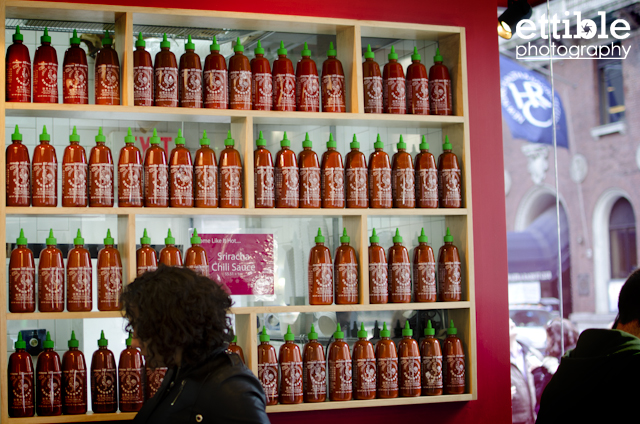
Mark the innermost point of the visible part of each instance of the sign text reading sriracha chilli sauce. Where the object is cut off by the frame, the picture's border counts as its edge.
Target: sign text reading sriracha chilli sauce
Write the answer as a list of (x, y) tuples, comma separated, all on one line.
[(241, 262)]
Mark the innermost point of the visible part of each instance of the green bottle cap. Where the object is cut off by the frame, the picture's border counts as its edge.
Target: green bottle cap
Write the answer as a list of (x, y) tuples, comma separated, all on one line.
[(285, 142), (73, 342), (45, 38), (215, 46), (448, 238), (140, 41), (354, 144), (345, 238), (289, 336), (339, 334), (437, 57), (106, 40), (307, 142), (397, 238), (423, 144), (75, 39), (22, 240), (74, 135), (129, 138), (108, 241), (452, 330), (194, 238), (145, 239), (238, 47), (261, 141), (429, 331), (51, 240), (401, 144), (154, 139), (189, 44), (102, 341), (331, 143), (235, 339), (312, 334), (331, 52), (374, 237), (78, 240), (17, 36), (362, 334), (229, 141), (369, 54), (165, 43), (422, 238), (48, 343), (264, 337), (44, 136), (20, 343), (100, 138), (204, 141), (305, 51), (129, 340), (446, 145), (16, 136), (169, 239), (385, 332), (258, 49), (393, 55), (282, 51), (179, 139), (319, 238), (378, 144), (407, 331), (415, 55)]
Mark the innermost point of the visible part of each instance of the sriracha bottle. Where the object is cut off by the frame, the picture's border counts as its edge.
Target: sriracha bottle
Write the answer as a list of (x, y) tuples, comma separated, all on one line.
[(239, 79), (431, 362), (109, 276), (156, 174), (17, 172), (75, 74), (104, 382), (21, 382), (449, 177), (48, 381), (449, 271), (320, 273), (439, 88), (51, 277), (387, 365), (309, 175), (307, 83), (332, 183), (340, 373), (426, 177), (378, 271), (399, 271), (230, 177), (364, 367), (74, 173), (287, 182), (372, 79), (216, 85), (417, 86), (22, 277), (142, 74), (170, 255), (146, 256), (130, 374), (263, 175), (107, 76), (284, 82), (190, 72), (346, 272), (234, 348), (403, 188), (74, 379), (165, 69), (409, 364), (333, 96), (261, 80), (290, 370), (181, 174), (45, 173), (393, 85), (100, 174), (356, 177), (130, 174), (45, 72), (380, 194), (206, 170), (79, 293), (268, 368), (195, 257), (18, 77), (315, 370), (454, 377), (424, 271), (153, 381)]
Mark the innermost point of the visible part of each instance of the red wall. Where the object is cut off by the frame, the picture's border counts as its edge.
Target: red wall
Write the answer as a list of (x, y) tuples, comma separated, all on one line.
[(479, 18)]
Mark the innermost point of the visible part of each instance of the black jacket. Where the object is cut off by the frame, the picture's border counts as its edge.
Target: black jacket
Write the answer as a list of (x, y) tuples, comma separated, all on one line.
[(220, 390)]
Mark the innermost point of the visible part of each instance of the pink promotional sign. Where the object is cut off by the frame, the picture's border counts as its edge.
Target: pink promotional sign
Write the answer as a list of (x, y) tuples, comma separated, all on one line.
[(241, 262)]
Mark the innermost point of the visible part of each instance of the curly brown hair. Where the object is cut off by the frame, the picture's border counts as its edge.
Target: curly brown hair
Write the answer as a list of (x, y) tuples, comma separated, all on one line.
[(173, 307)]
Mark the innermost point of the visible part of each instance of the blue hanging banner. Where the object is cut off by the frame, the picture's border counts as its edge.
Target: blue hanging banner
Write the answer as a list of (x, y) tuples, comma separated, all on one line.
[(526, 105)]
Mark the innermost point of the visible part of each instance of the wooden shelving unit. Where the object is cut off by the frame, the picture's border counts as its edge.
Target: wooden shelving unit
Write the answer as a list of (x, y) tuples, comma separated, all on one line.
[(349, 35)]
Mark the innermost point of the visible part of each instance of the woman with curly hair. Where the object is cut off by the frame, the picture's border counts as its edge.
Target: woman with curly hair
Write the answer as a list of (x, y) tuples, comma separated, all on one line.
[(179, 321)]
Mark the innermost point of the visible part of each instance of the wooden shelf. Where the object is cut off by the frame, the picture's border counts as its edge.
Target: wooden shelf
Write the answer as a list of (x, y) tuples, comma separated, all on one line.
[(63, 315), (350, 308), (80, 418)]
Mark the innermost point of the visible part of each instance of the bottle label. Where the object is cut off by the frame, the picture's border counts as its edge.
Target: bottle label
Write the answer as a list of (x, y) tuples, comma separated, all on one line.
[(308, 93), (19, 81), (291, 383), (287, 185), (167, 86), (380, 187), (157, 183), (51, 285), (357, 184), (108, 84), (395, 100), (379, 278), (347, 280), (216, 89), (75, 82), (284, 92), (143, 85), (130, 183), (431, 372), (101, 182), (142, 269), (207, 183), (21, 386), (231, 184), (455, 371), (424, 274), (200, 269), (333, 93), (130, 382), (268, 376), (103, 386), (333, 186), (373, 94), (315, 378), (428, 185), (79, 282), (340, 376), (440, 96), (262, 91), (387, 373), (240, 89), (75, 182), (410, 368), (418, 96), (400, 278), (449, 186), (321, 282), (182, 183), (264, 185), (49, 383), (110, 285), (45, 82), (154, 380), (22, 285), (404, 187), (73, 385), (191, 87), (310, 186), (450, 277), (18, 182), (364, 371), (45, 176)]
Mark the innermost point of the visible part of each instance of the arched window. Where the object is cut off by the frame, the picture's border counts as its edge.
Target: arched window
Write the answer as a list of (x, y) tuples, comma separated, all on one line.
[(622, 236)]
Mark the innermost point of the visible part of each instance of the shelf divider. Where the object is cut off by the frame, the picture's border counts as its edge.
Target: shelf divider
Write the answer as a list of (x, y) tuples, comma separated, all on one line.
[(124, 47)]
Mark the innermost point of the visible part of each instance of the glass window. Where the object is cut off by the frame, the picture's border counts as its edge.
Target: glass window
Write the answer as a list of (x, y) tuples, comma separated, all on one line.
[(611, 89), (622, 235)]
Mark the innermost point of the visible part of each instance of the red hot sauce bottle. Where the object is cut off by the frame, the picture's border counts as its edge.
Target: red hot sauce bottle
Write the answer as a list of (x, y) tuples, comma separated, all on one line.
[(332, 183), (104, 382), (284, 82), (22, 277), (130, 375), (74, 173), (181, 175), (17, 172), (100, 174), (439, 88), (340, 373), (449, 177), (261, 80), (356, 177), (196, 257), (153, 381), (142, 74), (290, 370), (409, 364), (75, 74), (426, 177), (165, 69), (130, 174), (190, 72), (399, 271), (79, 291), (387, 365), (263, 175), (346, 271), (230, 177), (417, 86), (156, 175), (315, 370), (380, 194), (146, 256), (18, 77), (424, 271), (109, 276), (234, 348), (107, 77), (206, 175), (74, 379), (333, 96), (21, 385), (44, 176), (307, 83), (51, 277), (309, 176), (170, 255), (287, 182), (268, 368), (431, 362), (372, 79), (454, 378), (320, 273), (393, 85), (216, 79), (45, 72), (402, 178), (48, 381), (239, 79), (449, 271), (378, 271), (364, 367)]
